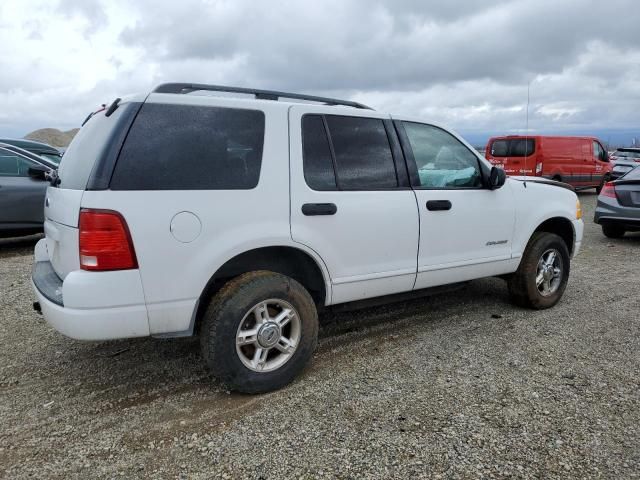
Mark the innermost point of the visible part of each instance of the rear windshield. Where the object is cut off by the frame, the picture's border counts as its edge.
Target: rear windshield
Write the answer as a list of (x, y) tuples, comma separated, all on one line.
[(513, 147), (88, 145), (186, 147)]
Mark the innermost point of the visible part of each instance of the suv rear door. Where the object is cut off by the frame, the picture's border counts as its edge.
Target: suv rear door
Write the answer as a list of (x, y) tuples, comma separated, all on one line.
[(351, 201)]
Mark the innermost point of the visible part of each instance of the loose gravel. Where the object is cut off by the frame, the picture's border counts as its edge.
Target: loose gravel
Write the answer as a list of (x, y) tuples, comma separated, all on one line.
[(460, 385)]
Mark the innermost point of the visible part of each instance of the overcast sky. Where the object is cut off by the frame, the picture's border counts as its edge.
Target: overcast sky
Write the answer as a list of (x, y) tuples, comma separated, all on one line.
[(462, 63)]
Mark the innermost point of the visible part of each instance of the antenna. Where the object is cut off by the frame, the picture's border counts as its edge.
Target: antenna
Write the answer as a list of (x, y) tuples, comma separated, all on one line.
[(526, 132)]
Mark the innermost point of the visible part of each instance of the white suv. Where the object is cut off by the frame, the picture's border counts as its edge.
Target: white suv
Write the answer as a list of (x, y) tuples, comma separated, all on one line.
[(187, 212)]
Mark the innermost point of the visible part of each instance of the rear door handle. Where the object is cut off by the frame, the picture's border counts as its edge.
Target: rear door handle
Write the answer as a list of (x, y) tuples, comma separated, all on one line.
[(313, 209), (435, 205)]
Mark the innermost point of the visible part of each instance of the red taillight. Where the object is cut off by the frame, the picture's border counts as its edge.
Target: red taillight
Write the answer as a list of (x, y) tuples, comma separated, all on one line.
[(608, 190), (105, 241)]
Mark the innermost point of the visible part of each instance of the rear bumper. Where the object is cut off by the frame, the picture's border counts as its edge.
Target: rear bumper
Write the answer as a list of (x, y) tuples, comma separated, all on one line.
[(609, 211), (91, 305)]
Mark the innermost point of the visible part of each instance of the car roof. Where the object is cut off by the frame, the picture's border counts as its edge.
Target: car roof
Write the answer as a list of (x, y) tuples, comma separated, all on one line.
[(628, 149), (28, 155), (30, 145)]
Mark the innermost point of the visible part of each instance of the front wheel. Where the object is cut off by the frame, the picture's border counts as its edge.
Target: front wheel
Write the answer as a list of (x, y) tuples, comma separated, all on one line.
[(543, 273), (259, 332)]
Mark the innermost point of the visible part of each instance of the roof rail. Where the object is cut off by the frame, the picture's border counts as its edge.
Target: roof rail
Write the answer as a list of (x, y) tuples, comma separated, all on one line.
[(259, 94)]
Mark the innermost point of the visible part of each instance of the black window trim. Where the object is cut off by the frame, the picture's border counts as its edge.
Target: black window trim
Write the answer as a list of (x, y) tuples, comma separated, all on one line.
[(402, 180), (412, 166)]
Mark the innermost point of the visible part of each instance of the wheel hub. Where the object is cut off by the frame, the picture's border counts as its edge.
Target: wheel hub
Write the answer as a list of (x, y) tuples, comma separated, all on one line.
[(268, 335)]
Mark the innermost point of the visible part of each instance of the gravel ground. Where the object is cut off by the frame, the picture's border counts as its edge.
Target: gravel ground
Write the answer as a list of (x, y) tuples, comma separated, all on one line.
[(461, 385)]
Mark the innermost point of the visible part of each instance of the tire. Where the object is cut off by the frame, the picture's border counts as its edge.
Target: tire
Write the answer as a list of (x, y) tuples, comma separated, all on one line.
[(523, 286), (605, 179), (611, 230), (232, 314)]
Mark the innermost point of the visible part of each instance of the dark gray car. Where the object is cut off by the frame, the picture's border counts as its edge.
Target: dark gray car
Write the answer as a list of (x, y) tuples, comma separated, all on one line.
[(618, 209), (21, 195)]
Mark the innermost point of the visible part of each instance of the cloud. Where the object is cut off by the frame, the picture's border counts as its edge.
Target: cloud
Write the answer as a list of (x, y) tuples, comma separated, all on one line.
[(465, 63)]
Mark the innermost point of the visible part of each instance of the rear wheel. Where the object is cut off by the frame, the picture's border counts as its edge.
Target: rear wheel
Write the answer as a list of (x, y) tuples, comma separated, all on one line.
[(605, 179), (611, 230), (259, 332), (543, 273)]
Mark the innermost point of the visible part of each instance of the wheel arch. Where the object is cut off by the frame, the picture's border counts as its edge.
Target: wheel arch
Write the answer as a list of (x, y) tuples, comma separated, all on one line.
[(561, 226), (288, 260)]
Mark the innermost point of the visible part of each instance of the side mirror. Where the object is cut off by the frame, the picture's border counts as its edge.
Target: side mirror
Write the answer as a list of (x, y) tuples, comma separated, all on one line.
[(38, 172), (497, 177)]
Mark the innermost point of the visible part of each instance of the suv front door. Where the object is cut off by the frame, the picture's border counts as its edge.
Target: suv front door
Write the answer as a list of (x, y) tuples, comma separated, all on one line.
[(351, 201), (466, 229)]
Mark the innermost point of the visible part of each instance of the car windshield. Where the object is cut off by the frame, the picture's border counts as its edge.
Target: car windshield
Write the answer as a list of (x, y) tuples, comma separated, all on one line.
[(624, 153), (632, 175)]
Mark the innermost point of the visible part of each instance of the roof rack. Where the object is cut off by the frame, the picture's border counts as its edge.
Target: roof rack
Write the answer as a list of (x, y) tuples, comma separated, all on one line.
[(258, 94)]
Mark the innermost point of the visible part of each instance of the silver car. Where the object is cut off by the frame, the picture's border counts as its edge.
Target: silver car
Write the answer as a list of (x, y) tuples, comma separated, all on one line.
[(22, 189), (618, 209), (624, 160)]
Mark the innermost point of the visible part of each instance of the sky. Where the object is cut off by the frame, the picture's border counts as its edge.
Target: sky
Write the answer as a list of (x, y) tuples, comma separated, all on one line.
[(467, 64)]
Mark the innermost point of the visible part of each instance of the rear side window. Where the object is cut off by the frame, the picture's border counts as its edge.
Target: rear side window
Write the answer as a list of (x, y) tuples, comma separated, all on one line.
[(362, 153), (351, 153), (513, 147), (184, 147)]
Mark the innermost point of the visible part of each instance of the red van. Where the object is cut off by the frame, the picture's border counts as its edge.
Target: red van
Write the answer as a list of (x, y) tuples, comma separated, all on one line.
[(578, 161)]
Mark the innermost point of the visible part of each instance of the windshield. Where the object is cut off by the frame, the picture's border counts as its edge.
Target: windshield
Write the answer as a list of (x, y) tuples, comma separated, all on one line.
[(626, 154), (632, 175)]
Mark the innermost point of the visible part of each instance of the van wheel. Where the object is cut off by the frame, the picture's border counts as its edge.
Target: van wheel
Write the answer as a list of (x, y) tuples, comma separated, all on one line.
[(611, 230), (259, 332), (543, 273), (605, 179)]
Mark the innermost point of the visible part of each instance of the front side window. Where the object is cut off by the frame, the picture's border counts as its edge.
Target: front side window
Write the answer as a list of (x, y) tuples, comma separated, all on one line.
[(185, 147), (598, 152), (441, 159), (13, 165)]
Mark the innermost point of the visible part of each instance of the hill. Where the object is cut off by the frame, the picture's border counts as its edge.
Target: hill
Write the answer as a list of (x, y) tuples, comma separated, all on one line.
[(53, 136)]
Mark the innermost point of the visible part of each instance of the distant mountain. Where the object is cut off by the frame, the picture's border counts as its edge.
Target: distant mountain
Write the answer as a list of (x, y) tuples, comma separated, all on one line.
[(53, 136)]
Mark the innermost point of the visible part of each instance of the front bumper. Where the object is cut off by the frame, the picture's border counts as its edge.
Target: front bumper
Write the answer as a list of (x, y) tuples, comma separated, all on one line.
[(578, 228), (91, 305)]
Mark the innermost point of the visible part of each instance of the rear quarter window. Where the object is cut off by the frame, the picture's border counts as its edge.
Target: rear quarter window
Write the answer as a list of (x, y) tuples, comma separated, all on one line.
[(185, 147)]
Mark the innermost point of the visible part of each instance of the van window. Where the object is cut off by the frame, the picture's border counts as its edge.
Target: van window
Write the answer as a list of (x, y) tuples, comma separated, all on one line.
[(441, 159), (185, 147), (513, 147), (316, 153), (362, 153)]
